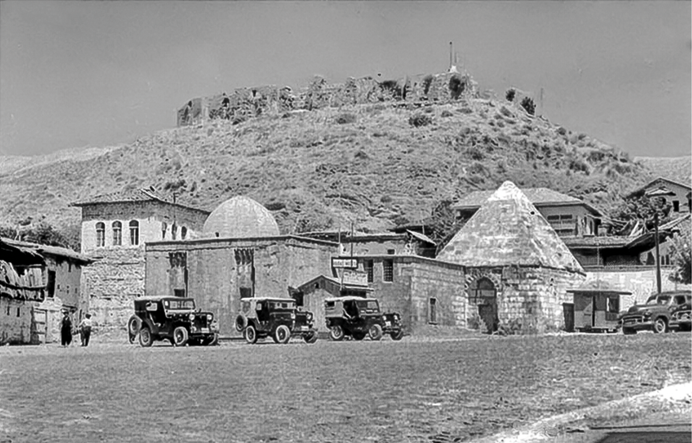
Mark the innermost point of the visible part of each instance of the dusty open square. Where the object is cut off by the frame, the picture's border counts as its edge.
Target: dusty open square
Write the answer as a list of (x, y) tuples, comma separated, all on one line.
[(409, 391)]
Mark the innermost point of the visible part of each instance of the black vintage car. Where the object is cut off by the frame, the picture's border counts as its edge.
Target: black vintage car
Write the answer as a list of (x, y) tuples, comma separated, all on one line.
[(655, 314), (171, 318), (681, 318), (278, 318), (357, 317)]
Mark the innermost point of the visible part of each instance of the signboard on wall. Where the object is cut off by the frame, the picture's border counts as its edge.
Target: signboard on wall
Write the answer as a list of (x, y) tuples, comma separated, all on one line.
[(346, 263), (351, 277)]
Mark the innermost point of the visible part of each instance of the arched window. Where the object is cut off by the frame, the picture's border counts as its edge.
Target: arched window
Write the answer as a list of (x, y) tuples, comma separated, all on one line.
[(100, 234), (183, 233), (117, 233), (134, 232), (174, 230), (164, 228)]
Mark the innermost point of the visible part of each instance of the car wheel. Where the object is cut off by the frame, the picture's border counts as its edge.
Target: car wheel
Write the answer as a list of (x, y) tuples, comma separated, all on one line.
[(212, 340), (145, 338), (240, 323), (358, 335), (310, 337), (336, 333), (282, 334), (397, 335), (629, 331), (660, 325), (250, 335), (134, 324), (180, 336), (375, 332)]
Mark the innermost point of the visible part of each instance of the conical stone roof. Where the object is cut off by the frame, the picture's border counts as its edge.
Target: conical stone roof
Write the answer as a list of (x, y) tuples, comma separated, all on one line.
[(508, 230), (240, 217)]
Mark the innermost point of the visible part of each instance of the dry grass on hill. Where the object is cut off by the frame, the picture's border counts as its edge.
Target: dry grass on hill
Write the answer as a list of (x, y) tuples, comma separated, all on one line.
[(320, 169)]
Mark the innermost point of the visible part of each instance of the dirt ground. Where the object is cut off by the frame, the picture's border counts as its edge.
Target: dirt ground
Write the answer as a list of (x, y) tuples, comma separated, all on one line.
[(415, 390)]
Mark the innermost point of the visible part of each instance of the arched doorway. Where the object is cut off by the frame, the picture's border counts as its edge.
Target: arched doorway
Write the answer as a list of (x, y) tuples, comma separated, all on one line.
[(484, 295)]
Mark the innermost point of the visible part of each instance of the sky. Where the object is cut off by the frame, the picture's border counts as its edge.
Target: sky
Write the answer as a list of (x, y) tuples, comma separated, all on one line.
[(102, 73)]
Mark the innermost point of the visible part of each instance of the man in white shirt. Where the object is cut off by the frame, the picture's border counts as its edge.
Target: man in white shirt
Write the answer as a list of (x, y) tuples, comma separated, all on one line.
[(85, 329)]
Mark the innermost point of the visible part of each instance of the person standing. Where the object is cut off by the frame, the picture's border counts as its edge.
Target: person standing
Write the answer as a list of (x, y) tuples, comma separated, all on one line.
[(66, 330), (85, 329)]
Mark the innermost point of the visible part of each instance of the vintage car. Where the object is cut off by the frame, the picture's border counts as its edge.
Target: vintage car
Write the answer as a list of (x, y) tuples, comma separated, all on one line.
[(681, 318), (274, 317), (171, 318), (357, 317), (655, 314)]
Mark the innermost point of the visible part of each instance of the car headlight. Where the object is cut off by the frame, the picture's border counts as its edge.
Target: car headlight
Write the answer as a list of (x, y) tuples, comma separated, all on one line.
[(293, 316), (192, 317), (647, 314), (210, 317), (309, 316)]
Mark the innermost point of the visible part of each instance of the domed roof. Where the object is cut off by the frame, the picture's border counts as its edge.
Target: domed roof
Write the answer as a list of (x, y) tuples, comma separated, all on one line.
[(240, 217)]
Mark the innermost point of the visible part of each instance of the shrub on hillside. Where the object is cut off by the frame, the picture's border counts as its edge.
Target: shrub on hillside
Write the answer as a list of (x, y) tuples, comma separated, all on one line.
[(579, 165), (345, 118), (446, 113), (419, 119), (510, 94), (528, 104), (475, 153)]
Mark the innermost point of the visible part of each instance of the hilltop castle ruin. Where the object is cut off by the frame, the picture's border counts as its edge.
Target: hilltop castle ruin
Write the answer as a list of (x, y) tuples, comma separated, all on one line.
[(251, 102)]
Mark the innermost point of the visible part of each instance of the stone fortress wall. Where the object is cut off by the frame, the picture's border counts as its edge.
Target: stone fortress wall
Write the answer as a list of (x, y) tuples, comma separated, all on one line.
[(244, 103)]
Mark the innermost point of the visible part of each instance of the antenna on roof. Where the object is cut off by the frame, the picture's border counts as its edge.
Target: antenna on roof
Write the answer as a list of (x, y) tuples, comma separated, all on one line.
[(451, 50)]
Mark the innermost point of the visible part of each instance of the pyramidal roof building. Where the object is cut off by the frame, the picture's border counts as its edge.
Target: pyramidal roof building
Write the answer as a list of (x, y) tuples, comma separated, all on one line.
[(518, 268), (509, 231)]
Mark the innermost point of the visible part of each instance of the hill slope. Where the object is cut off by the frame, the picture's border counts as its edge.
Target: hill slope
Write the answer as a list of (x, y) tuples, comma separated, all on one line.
[(326, 168)]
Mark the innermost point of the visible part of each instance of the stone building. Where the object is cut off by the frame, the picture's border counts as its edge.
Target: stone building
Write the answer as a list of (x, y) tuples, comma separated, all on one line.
[(518, 269), (62, 293), (428, 293), (115, 230), (241, 253)]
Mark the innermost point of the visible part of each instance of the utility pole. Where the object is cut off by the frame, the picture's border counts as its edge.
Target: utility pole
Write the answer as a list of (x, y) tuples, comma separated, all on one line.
[(661, 193), (658, 256)]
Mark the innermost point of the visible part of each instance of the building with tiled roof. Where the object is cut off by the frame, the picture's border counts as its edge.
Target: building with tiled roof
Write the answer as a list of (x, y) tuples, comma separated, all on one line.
[(679, 195), (518, 268), (115, 229), (568, 215)]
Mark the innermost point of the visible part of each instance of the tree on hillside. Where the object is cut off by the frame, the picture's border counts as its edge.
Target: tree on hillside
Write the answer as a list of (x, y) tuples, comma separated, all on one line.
[(643, 209), (680, 251), (42, 233), (443, 223)]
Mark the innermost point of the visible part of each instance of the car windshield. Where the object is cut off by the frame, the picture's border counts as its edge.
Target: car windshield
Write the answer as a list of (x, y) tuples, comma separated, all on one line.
[(368, 305), (179, 304), (658, 300), (274, 305)]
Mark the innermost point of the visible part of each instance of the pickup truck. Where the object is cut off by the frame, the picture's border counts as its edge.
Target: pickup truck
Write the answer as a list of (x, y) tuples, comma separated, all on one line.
[(655, 314)]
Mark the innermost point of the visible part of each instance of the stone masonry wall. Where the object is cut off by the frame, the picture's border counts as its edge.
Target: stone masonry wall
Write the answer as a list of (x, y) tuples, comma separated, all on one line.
[(533, 296), (111, 283), (213, 278), (444, 283), (251, 102)]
